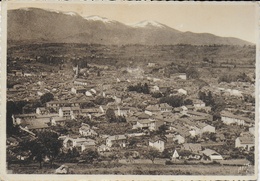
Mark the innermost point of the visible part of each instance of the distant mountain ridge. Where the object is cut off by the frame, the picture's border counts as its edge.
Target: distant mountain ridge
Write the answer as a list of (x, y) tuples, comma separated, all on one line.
[(51, 26)]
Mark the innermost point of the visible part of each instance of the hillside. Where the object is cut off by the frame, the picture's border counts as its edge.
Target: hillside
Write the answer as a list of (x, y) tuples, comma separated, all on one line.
[(44, 26)]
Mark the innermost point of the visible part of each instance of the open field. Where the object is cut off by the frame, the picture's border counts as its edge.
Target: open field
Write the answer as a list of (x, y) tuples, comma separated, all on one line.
[(135, 169)]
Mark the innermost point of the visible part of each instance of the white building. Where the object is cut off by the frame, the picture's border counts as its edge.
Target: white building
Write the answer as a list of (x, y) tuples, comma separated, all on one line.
[(212, 155), (157, 143), (245, 141)]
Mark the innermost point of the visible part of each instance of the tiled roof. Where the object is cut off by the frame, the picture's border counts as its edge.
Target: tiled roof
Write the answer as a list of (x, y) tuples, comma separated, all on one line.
[(117, 137), (198, 113), (247, 140), (144, 121), (209, 152), (155, 139), (230, 115), (143, 116), (193, 147)]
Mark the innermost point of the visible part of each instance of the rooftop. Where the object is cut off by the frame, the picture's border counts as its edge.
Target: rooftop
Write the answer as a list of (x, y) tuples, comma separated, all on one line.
[(117, 137)]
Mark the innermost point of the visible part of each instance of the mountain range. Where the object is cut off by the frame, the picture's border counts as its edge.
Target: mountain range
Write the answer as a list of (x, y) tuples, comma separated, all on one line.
[(50, 26)]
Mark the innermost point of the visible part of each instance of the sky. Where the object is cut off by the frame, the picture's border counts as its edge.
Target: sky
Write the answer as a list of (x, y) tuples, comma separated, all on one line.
[(222, 19)]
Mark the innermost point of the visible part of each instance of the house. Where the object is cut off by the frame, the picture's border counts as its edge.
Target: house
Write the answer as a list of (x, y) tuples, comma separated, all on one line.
[(41, 110), (27, 74), (88, 93), (245, 141), (164, 107), (157, 143), (88, 144), (183, 109), (150, 124), (17, 118), (211, 155), (65, 112), (86, 131), (74, 112), (200, 114), (205, 127), (220, 137), (78, 90), (179, 139), (58, 121), (116, 139), (83, 143), (142, 124), (123, 111), (151, 64), (69, 112), (19, 73), (181, 130), (82, 82), (229, 118), (89, 111), (37, 125), (12, 141), (152, 109), (142, 115), (252, 130), (103, 148), (198, 104), (182, 76), (154, 88), (182, 91)]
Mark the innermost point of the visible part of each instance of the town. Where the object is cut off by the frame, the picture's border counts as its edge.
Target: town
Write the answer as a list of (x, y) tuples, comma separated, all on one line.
[(86, 115)]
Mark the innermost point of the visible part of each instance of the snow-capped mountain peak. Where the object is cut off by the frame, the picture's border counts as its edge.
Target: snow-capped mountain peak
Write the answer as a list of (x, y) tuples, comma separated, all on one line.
[(98, 18), (53, 11), (144, 24), (70, 13)]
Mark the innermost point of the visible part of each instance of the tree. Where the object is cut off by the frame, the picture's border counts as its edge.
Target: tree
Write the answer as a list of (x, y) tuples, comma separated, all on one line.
[(205, 59), (185, 153), (132, 142), (51, 143), (174, 101), (152, 153), (157, 95), (166, 153), (89, 155), (218, 104), (11, 108), (202, 95), (140, 88), (162, 129), (87, 105), (102, 100), (192, 73), (251, 157), (46, 144), (188, 102), (110, 115), (37, 150), (47, 97)]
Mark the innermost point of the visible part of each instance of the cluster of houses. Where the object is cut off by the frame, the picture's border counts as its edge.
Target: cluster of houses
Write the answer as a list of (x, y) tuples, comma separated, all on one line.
[(181, 123)]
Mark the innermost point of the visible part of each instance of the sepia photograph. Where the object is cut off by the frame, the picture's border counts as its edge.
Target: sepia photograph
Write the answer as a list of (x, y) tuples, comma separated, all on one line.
[(129, 90)]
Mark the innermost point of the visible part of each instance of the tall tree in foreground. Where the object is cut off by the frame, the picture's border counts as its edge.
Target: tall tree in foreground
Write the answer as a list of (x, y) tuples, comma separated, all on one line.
[(46, 144), (51, 143), (152, 153)]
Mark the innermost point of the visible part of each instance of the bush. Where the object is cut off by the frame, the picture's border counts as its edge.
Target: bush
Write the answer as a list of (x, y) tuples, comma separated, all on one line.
[(140, 88), (168, 162)]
